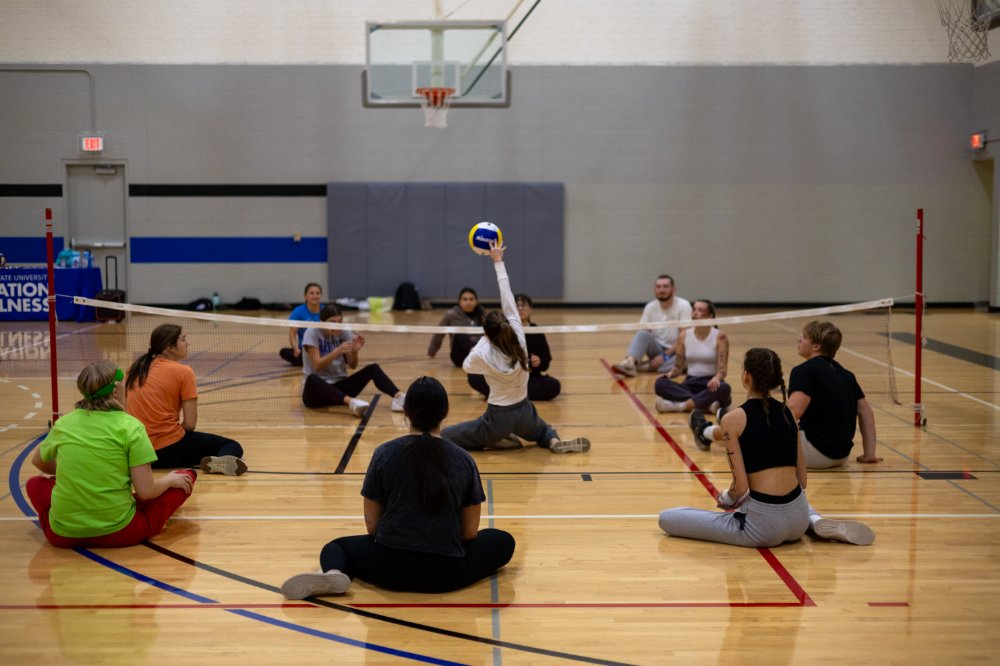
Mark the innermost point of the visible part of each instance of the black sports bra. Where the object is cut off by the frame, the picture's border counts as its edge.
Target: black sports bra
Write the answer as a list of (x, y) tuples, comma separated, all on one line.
[(768, 441)]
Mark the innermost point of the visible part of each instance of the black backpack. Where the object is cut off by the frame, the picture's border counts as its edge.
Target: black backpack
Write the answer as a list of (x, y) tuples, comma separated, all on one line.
[(406, 297)]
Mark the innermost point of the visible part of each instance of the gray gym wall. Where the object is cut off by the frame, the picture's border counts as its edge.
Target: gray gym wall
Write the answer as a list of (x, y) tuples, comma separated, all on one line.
[(750, 184)]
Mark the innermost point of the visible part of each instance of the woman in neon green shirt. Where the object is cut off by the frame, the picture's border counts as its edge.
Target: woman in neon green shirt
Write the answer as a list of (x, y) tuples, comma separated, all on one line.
[(102, 454)]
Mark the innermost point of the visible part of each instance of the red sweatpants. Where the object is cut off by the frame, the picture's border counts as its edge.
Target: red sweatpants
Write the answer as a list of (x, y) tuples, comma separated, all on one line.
[(150, 516)]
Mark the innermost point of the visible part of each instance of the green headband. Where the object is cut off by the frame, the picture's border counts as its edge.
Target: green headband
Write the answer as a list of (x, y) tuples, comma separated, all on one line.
[(106, 390)]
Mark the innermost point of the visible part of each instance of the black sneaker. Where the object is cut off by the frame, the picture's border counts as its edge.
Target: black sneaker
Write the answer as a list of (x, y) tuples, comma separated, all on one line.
[(720, 412), (697, 423)]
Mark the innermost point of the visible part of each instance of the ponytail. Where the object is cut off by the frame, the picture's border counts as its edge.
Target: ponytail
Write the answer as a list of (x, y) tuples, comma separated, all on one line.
[(162, 337), (502, 335), (426, 406)]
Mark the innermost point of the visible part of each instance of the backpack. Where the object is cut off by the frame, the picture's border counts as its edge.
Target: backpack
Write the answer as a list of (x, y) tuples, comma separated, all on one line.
[(406, 297)]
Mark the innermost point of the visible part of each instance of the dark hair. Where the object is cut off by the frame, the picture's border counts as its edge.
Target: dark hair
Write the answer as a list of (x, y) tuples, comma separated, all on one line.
[(764, 368), (426, 406), (502, 335), (710, 304), (525, 298), (162, 337), (824, 334), (330, 311), (92, 379), (310, 286), (478, 313), (667, 277)]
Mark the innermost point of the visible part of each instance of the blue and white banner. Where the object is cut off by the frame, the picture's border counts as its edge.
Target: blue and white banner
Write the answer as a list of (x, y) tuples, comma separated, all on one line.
[(24, 293)]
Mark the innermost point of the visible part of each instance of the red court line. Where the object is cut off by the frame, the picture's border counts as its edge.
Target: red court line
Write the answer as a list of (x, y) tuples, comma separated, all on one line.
[(654, 604), (783, 573), (147, 606)]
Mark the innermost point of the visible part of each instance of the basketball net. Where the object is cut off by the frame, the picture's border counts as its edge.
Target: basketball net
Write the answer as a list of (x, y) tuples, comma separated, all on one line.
[(435, 102), (968, 37)]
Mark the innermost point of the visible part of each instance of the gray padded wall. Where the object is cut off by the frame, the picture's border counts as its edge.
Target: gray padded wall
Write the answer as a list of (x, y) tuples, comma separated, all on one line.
[(747, 183), (382, 234)]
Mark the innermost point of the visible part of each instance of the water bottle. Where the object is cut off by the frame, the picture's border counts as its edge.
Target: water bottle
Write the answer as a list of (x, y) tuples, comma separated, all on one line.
[(215, 301)]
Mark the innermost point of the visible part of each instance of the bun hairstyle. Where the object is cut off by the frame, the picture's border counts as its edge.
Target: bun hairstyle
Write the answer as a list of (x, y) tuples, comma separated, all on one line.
[(162, 337), (426, 406), (91, 380), (502, 335), (764, 368)]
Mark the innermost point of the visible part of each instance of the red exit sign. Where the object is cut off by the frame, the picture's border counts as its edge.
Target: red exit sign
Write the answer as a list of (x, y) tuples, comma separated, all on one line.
[(92, 144)]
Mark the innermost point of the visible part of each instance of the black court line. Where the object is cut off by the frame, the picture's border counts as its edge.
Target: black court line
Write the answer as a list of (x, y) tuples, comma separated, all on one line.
[(375, 616), (588, 475), (932, 476), (353, 444), (954, 351)]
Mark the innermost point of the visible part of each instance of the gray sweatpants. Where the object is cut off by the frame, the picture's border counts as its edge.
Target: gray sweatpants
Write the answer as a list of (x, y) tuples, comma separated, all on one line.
[(520, 419), (644, 345), (755, 524)]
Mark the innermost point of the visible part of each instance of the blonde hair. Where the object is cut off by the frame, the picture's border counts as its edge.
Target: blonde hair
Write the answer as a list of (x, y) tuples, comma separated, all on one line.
[(91, 380)]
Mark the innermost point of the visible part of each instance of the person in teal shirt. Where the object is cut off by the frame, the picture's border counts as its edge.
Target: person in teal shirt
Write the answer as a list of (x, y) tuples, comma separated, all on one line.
[(98, 454)]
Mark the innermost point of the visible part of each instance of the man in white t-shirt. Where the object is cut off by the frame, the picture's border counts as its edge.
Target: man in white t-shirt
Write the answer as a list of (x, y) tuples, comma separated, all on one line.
[(652, 350)]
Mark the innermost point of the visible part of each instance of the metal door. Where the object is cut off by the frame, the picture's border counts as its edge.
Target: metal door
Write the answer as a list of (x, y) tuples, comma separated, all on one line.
[(96, 214)]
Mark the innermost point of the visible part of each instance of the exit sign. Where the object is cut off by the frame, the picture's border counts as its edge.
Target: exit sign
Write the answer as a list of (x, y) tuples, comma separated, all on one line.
[(92, 144)]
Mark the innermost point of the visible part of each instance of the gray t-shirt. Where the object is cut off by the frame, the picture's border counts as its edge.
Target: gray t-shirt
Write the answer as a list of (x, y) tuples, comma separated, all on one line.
[(404, 523), (315, 337)]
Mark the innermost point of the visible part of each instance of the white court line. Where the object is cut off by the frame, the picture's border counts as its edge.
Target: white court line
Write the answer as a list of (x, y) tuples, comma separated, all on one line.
[(29, 415), (36, 396), (38, 405), (23, 387), (591, 516)]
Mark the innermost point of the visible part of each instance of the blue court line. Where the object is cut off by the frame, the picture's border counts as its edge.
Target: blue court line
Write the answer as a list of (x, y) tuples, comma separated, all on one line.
[(25, 507), (28, 511)]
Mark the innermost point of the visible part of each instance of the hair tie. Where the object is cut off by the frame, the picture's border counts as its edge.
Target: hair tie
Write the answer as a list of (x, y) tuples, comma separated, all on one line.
[(107, 388)]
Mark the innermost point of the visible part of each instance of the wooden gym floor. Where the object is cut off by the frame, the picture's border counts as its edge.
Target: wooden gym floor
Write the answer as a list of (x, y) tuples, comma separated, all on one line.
[(593, 579)]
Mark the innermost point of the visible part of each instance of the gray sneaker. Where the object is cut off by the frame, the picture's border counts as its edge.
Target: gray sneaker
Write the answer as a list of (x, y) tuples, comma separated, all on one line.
[(228, 465), (626, 367), (697, 423), (848, 531), (578, 445), (302, 586)]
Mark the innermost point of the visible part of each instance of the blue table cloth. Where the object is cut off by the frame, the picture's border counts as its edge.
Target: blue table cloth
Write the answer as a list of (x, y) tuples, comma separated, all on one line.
[(24, 293)]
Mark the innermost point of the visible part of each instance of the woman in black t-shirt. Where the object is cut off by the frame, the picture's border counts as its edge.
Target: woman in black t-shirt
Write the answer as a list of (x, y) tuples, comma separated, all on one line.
[(422, 503)]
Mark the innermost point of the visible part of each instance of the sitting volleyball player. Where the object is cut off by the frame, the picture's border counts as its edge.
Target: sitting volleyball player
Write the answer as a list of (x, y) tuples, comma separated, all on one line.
[(657, 346), (760, 436), (327, 355), (501, 357), (827, 400), (308, 311)]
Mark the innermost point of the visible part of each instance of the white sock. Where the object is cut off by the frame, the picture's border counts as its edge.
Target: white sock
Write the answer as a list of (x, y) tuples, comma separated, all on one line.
[(709, 432), (814, 518), (675, 406)]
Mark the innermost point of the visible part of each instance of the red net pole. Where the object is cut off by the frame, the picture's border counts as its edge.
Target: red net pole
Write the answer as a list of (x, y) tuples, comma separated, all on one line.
[(919, 333), (53, 364)]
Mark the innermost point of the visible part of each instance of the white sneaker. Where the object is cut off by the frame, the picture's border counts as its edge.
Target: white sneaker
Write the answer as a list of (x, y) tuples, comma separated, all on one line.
[(714, 407), (359, 407), (302, 586), (228, 465), (626, 367), (663, 406), (397, 402), (848, 531)]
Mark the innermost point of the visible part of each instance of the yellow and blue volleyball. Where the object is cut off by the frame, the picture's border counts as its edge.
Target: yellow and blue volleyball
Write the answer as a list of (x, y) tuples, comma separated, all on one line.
[(480, 236)]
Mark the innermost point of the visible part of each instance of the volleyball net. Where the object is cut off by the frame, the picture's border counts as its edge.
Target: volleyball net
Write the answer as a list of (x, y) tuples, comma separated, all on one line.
[(242, 381)]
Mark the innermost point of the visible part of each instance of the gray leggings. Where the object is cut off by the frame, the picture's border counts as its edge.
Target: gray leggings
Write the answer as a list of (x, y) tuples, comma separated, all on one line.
[(519, 419), (645, 345), (755, 524)]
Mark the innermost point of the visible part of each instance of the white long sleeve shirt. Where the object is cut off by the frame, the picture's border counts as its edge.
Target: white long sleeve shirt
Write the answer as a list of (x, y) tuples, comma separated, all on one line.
[(507, 380)]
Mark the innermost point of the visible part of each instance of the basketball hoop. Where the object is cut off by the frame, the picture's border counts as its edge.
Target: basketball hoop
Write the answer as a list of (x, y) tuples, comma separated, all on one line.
[(967, 30), (435, 102)]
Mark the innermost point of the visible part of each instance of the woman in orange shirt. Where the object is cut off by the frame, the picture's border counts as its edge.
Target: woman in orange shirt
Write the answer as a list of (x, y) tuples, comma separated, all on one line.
[(163, 394)]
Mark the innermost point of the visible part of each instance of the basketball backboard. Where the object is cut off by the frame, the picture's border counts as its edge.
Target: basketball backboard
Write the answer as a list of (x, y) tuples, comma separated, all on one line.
[(469, 57)]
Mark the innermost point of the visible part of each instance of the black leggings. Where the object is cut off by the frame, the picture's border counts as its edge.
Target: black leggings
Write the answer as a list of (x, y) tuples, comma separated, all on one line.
[(318, 392), (410, 571), (540, 387), (289, 355), (192, 447), (461, 345)]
